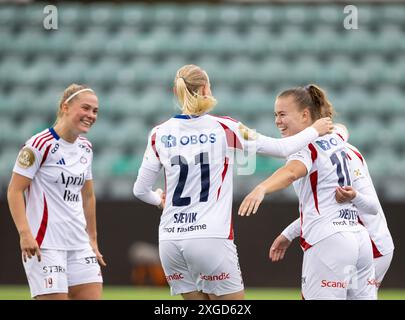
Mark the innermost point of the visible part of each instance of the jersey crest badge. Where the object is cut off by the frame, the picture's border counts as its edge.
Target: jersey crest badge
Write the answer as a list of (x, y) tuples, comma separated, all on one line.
[(26, 158)]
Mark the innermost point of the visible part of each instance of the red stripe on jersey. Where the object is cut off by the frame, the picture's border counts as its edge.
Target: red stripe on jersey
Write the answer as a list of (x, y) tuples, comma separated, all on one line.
[(45, 141), (224, 170), (86, 142), (154, 145), (225, 117), (231, 137), (314, 153), (230, 237), (44, 223), (341, 137), (304, 245), (358, 154), (313, 177), (41, 137), (376, 252), (28, 192), (45, 154), (164, 171)]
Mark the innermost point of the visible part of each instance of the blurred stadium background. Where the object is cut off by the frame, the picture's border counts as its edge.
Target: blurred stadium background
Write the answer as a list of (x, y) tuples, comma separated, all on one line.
[(128, 52)]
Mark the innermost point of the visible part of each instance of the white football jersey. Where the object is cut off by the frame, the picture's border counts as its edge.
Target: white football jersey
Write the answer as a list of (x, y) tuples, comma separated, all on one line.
[(197, 155), (54, 207), (376, 225), (327, 167)]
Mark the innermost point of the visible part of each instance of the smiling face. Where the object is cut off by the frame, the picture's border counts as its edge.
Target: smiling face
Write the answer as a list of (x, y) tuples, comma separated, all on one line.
[(81, 112), (289, 118)]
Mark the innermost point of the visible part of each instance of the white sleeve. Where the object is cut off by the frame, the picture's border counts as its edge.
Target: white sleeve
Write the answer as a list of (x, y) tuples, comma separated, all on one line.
[(28, 161), (151, 157), (249, 140), (304, 156), (342, 131), (293, 230), (144, 184), (285, 147)]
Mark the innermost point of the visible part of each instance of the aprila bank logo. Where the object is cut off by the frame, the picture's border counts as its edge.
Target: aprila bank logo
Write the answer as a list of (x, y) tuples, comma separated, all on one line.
[(169, 141)]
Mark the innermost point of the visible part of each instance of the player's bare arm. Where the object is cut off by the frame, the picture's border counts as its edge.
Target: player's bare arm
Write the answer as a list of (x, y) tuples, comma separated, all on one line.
[(279, 248), (28, 244), (280, 179), (89, 208)]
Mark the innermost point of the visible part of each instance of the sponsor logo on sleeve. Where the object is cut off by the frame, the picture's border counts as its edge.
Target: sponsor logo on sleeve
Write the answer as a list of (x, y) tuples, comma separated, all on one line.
[(169, 141), (26, 158)]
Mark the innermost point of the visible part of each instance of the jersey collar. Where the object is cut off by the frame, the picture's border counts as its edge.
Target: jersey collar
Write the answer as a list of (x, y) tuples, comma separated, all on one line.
[(54, 134), (186, 116)]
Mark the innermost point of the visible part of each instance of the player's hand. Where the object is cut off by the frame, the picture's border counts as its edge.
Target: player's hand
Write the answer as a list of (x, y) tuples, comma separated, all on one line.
[(99, 256), (252, 201), (278, 248), (323, 126), (345, 194), (162, 197), (29, 246)]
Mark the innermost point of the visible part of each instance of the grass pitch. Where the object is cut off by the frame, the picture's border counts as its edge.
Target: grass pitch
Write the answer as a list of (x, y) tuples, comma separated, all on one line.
[(8, 292)]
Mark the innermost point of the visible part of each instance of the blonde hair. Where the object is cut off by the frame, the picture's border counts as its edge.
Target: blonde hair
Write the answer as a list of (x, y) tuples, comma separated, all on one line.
[(68, 94), (189, 79), (313, 97)]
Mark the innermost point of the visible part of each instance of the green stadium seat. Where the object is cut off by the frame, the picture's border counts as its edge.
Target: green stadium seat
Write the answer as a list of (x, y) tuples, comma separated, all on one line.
[(103, 73), (272, 16), (94, 41), (102, 133), (135, 15), (304, 71), (101, 14), (360, 133), (7, 15), (273, 70), (8, 156), (381, 162), (124, 42), (327, 15), (103, 161), (167, 15), (47, 102), (72, 71), (6, 128), (72, 14), (265, 166), (389, 100), (392, 13), (31, 15)]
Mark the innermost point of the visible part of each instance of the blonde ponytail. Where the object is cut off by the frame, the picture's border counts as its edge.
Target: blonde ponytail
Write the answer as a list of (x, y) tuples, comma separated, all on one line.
[(189, 79)]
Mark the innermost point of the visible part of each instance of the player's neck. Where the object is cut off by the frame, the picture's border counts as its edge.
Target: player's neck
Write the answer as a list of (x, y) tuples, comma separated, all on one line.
[(64, 132)]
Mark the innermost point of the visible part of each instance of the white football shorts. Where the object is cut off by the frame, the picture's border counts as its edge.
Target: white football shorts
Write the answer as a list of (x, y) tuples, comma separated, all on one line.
[(382, 265), (61, 269), (339, 267), (210, 265)]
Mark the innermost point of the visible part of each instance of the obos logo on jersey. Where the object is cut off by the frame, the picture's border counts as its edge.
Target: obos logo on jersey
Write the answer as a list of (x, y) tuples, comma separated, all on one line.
[(168, 141), (325, 145)]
